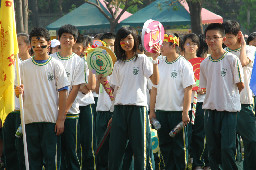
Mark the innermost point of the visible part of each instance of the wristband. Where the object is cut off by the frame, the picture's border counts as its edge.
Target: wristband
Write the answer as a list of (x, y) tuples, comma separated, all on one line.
[(155, 61)]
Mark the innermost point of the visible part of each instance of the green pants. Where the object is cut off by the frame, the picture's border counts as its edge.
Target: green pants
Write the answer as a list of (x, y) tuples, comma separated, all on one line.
[(246, 127), (220, 130), (13, 146), (70, 148), (103, 118), (42, 146), (173, 149), (129, 122), (196, 136), (87, 137)]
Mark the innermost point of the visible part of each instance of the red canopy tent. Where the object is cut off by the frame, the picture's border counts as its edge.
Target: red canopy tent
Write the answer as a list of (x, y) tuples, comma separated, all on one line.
[(207, 16)]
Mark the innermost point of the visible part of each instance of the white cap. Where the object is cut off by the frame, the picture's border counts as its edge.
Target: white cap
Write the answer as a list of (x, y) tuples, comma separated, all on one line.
[(55, 43)]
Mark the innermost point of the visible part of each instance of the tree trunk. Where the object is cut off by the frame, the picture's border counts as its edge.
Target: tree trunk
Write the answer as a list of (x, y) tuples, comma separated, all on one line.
[(19, 16), (113, 25), (25, 14), (248, 19), (195, 8), (60, 6), (35, 18)]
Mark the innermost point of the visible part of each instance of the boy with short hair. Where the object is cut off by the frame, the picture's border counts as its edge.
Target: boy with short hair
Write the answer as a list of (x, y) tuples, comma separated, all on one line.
[(85, 100), (74, 67), (246, 120), (44, 109), (109, 39), (221, 75)]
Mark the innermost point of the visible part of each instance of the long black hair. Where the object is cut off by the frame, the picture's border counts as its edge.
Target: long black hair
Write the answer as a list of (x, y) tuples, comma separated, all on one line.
[(121, 34)]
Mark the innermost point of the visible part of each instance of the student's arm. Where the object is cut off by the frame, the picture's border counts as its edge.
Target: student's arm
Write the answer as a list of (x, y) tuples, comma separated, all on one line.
[(19, 90), (91, 85), (186, 104), (97, 89), (59, 127), (243, 57), (71, 97), (153, 93), (240, 86), (155, 76), (106, 85)]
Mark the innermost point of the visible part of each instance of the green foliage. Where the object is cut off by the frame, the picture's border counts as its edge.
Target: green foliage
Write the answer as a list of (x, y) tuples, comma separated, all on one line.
[(242, 17), (73, 6)]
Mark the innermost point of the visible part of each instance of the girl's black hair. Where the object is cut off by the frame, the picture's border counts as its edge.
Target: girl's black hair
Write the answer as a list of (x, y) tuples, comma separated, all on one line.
[(121, 34), (251, 37), (203, 48), (194, 38)]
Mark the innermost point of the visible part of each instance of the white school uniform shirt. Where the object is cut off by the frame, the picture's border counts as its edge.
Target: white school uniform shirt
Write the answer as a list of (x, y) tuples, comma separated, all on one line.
[(246, 95), (74, 66), (104, 103), (41, 84), (219, 77), (130, 79), (175, 76), (85, 100)]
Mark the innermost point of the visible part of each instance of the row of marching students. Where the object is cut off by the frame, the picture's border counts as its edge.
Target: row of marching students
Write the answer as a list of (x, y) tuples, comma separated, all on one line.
[(224, 107), (49, 111)]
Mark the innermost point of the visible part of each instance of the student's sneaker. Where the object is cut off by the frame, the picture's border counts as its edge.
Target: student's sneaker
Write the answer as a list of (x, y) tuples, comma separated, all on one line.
[(18, 133), (207, 168)]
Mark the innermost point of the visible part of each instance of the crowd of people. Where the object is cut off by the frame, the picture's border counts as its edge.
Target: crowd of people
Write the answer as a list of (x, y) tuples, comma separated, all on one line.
[(68, 108)]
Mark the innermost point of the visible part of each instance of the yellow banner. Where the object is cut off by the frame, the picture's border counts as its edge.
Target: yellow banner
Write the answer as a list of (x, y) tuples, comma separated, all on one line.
[(8, 49)]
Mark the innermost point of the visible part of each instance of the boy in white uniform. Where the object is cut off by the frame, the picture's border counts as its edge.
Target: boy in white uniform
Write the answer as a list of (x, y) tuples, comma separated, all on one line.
[(85, 99), (74, 67), (221, 75), (170, 102), (44, 109), (246, 120)]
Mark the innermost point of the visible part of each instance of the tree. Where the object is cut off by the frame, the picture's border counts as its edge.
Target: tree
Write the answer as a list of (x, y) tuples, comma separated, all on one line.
[(35, 18), (113, 7), (25, 14), (195, 8), (19, 16)]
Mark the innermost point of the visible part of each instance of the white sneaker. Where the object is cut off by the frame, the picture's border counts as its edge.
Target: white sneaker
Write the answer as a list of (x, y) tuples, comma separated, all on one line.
[(198, 168)]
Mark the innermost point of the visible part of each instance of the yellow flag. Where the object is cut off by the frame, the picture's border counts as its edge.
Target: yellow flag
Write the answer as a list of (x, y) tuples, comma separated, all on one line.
[(8, 50)]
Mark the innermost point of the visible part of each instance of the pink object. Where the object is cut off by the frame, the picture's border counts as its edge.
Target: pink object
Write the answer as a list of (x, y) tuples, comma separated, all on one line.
[(207, 16), (152, 34)]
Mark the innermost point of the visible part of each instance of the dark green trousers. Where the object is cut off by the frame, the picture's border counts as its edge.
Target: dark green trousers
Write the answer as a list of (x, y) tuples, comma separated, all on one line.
[(70, 140), (87, 130), (196, 136), (220, 130), (129, 122), (42, 146), (173, 149), (246, 127), (103, 118), (13, 146)]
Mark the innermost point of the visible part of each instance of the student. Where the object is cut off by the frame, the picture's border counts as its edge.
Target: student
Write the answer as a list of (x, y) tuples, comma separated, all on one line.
[(251, 40), (85, 99), (103, 112), (190, 46), (129, 119), (44, 84), (109, 39), (13, 148), (55, 46), (246, 120), (221, 74), (170, 102), (74, 67)]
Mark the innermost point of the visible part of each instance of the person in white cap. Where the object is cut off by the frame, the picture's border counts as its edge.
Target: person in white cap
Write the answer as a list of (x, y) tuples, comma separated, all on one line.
[(55, 46)]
